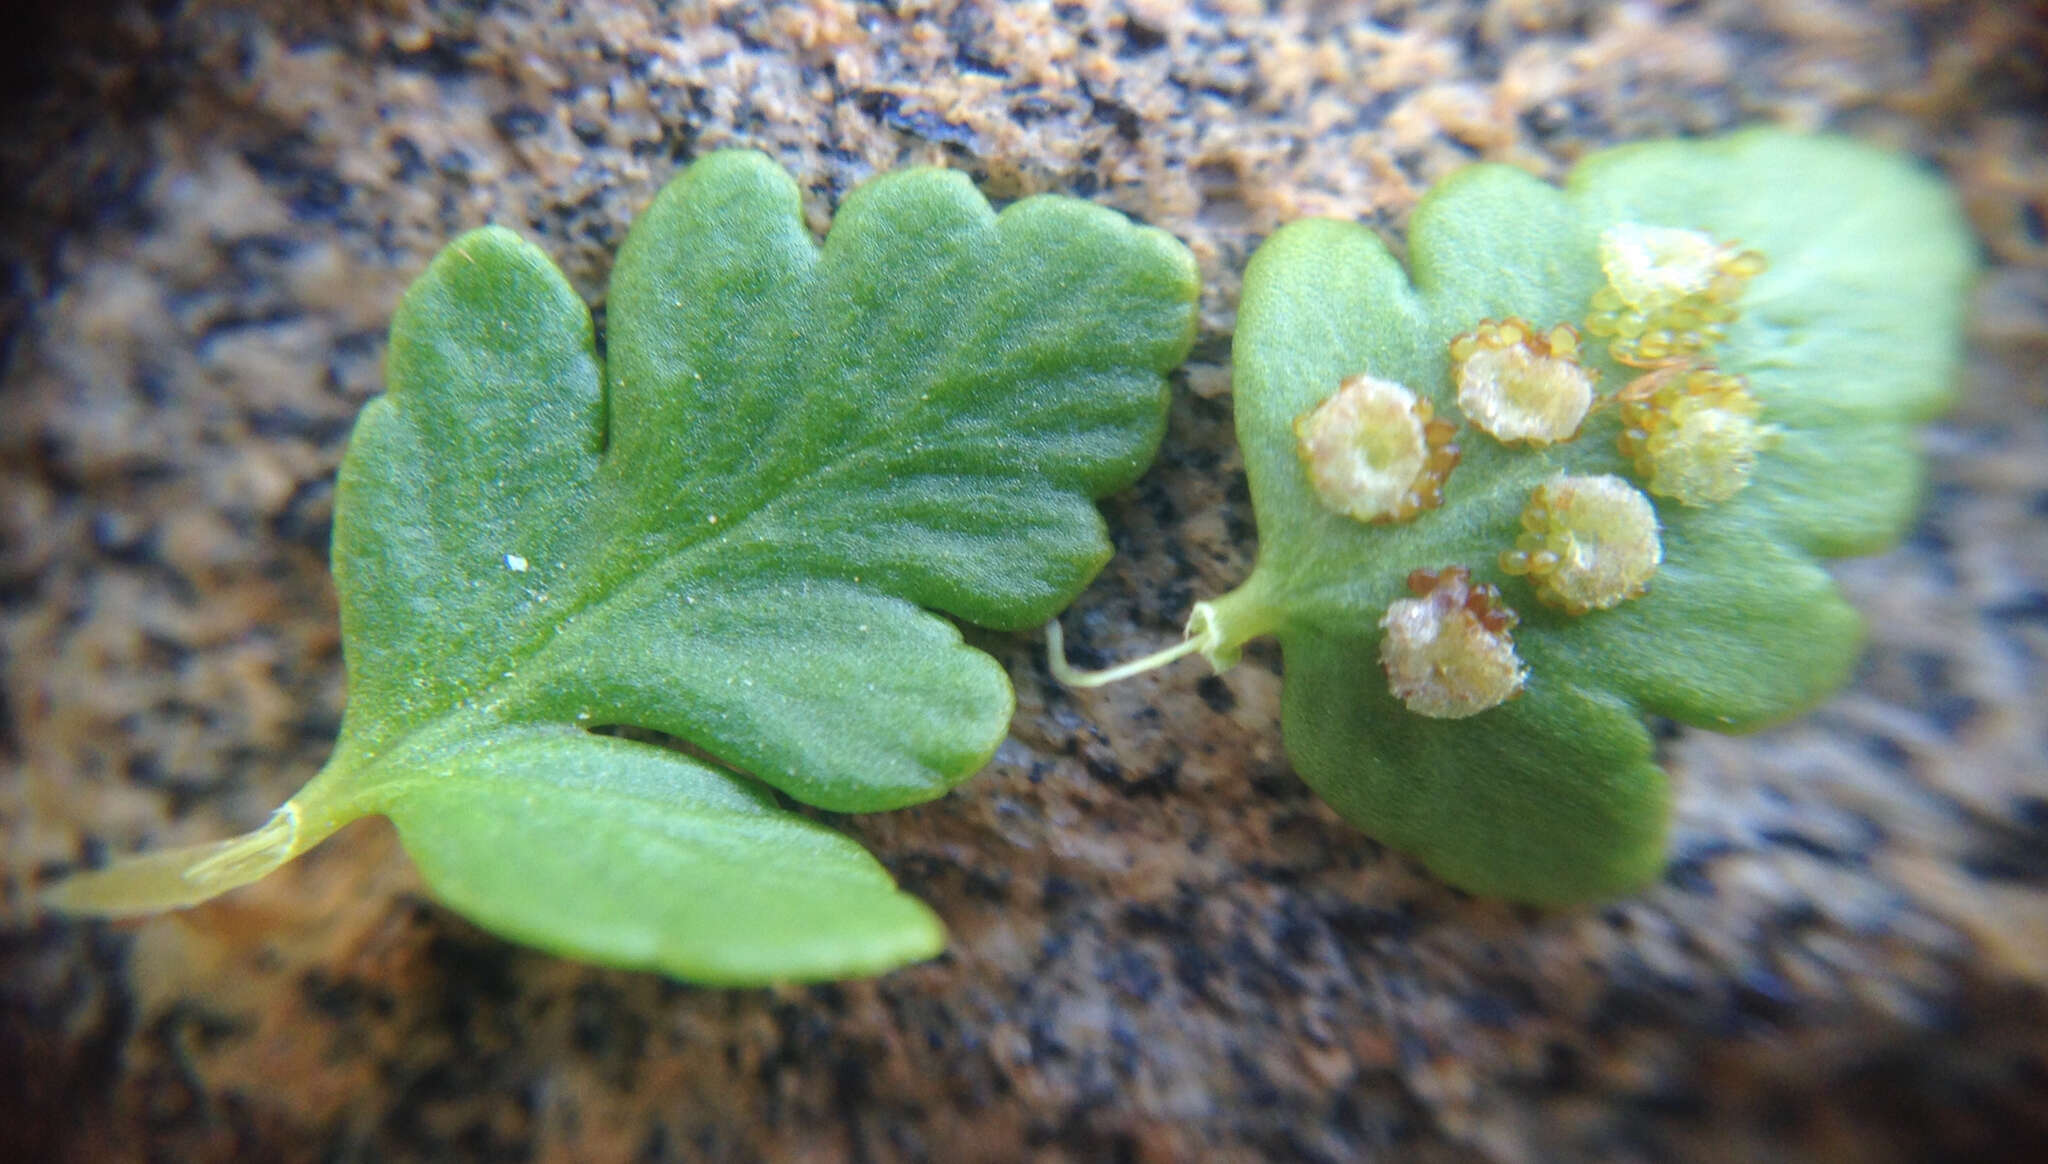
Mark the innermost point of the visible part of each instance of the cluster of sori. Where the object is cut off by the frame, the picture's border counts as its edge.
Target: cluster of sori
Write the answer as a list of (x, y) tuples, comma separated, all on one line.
[(1689, 428), (1670, 293), (1377, 452)]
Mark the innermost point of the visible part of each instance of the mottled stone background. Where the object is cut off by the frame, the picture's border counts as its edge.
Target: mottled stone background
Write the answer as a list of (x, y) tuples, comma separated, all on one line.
[(1164, 947)]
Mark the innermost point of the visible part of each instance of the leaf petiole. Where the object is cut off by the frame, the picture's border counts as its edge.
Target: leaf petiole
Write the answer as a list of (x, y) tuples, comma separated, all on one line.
[(1067, 673), (188, 875), (1210, 633)]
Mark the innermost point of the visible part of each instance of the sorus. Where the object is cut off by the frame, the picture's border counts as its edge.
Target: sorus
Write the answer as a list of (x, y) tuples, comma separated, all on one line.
[(1519, 384), (1587, 543), (1376, 452), (1448, 651)]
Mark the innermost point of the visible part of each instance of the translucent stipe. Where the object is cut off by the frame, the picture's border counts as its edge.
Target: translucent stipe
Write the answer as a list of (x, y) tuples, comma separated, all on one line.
[(1067, 673), (177, 878)]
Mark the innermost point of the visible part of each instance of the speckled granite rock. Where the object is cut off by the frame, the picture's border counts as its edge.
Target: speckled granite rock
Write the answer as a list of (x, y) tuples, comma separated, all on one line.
[(1164, 946)]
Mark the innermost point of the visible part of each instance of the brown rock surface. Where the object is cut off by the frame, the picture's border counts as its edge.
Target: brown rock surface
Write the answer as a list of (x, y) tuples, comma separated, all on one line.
[(1164, 947)]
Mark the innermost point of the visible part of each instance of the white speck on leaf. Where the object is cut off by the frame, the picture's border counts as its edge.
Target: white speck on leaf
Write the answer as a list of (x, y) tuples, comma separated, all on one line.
[(515, 563)]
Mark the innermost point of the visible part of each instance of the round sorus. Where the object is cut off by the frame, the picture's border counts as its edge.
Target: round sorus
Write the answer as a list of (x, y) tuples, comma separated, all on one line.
[(1670, 293), (1587, 543), (1519, 384), (1448, 652), (1374, 451), (1692, 433)]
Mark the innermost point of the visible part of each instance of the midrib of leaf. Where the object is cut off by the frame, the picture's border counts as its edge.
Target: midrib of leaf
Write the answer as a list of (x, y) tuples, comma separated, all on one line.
[(929, 387), (626, 554), (487, 701), (348, 788), (693, 559), (794, 483)]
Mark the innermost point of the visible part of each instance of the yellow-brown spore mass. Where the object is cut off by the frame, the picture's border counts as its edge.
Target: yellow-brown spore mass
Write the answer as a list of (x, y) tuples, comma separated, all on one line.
[(1448, 651), (1692, 433), (1670, 293), (1519, 384), (1375, 452), (1587, 543)]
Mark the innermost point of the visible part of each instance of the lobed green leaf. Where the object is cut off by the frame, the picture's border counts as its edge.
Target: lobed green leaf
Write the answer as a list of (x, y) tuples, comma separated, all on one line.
[(742, 531), (1849, 337)]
